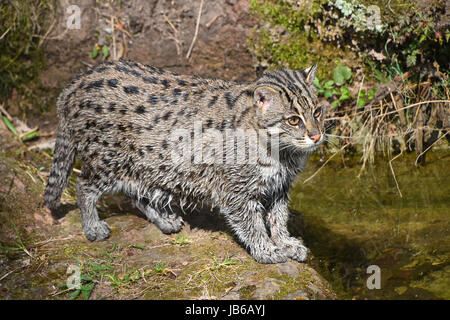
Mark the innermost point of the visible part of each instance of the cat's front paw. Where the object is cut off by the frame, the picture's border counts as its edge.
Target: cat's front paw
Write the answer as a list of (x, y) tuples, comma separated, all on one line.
[(269, 254), (295, 249)]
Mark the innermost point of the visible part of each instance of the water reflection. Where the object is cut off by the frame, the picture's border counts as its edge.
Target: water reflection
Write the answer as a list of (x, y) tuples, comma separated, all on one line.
[(351, 223)]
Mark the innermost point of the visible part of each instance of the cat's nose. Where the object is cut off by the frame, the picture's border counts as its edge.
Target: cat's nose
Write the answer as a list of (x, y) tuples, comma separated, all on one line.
[(315, 137)]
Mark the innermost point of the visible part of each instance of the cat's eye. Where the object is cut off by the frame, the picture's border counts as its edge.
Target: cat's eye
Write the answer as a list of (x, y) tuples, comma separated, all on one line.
[(317, 112), (294, 120)]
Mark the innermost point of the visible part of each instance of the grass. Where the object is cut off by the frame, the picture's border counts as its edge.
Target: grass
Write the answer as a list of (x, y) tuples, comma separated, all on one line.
[(180, 240), (19, 245), (109, 273)]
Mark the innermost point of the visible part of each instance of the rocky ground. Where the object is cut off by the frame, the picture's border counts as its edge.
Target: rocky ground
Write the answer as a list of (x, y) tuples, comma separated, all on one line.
[(38, 253)]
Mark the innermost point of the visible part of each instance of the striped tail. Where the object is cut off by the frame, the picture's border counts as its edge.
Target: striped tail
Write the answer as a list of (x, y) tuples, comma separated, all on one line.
[(63, 160)]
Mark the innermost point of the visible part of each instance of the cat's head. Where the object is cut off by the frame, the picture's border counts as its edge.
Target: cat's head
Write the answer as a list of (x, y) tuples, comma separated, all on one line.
[(286, 103)]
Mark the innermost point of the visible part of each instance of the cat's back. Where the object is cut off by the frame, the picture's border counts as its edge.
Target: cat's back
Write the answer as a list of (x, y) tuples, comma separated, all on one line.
[(124, 88)]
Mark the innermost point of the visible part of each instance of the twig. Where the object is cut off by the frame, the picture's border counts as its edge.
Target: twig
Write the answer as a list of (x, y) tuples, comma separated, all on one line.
[(170, 24), (196, 30), (423, 152), (209, 24), (391, 112), (413, 105), (43, 243), (5, 33), (7, 115), (41, 41), (393, 173), (8, 273), (328, 160), (175, 35), (113, 39)]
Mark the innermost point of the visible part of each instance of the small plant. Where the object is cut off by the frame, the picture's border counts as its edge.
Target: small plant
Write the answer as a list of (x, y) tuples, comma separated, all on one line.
[(364, 97), (180, 240), (22, 137), (336, 87), (224, 263), (97, 49), (86, 288), (92, 271), (160, 268), (19, 245)]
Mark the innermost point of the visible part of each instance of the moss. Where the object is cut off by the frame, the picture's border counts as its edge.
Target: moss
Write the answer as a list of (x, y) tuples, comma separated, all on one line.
[(247, 292), (289, 284), (285, 38)]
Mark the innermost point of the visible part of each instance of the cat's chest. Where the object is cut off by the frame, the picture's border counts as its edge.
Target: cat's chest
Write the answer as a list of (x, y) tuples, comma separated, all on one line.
[(276, 178)]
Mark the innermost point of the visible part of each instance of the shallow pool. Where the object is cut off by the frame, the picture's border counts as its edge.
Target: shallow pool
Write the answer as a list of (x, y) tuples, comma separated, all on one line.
[(353, 222)]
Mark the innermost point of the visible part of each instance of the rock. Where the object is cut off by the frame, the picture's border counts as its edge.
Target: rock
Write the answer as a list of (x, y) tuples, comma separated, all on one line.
[(289, 268), (267, 289)]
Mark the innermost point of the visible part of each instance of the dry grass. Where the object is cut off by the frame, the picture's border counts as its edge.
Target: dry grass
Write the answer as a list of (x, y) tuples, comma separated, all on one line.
[(390, 125)]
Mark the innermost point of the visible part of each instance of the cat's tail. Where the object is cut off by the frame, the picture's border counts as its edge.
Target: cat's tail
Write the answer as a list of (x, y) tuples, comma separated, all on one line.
[(63, 160)]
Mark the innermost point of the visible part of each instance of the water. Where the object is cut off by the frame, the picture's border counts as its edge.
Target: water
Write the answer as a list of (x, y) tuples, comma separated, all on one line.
[(353, 222)]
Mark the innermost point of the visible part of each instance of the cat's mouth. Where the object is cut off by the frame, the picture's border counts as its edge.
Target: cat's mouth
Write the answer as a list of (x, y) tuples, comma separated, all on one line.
[(309, 145)]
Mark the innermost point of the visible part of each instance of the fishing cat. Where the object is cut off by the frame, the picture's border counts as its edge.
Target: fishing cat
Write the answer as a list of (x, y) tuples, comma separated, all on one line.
[(120, 117)]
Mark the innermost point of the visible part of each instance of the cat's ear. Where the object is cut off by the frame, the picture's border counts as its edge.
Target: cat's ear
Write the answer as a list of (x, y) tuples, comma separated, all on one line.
[(310, 73), (264, 96)]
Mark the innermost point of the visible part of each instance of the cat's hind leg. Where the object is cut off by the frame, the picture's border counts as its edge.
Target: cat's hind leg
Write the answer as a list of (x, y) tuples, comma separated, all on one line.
[(88, 193), (155, 207)]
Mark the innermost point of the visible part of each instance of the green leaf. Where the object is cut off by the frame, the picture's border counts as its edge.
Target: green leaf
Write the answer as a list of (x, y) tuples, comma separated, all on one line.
[(85, 278), (75, 294), (105, 51), (344, 97), (345, 90), (317, 83), (341, 74), (94, 52), (335, 103), (371, 93), (328, 93), (361, 102), (29, 135), (87, 290), (329, 84), (10, 125), (423, 37)]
